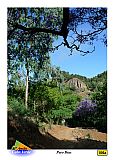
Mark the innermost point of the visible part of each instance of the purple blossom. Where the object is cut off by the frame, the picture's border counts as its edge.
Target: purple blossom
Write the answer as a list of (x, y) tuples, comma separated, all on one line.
[(85, 107)]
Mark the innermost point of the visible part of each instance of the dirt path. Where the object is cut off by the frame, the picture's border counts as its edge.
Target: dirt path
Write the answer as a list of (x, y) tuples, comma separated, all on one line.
[(65, 133), (58, 137)]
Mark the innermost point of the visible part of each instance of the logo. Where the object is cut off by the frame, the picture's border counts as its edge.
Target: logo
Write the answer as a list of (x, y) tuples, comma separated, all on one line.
[(102, 152), (20, 148)]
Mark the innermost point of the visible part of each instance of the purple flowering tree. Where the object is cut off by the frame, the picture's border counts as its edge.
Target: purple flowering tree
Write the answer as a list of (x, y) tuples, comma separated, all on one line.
[(85, 108), (85, 113)]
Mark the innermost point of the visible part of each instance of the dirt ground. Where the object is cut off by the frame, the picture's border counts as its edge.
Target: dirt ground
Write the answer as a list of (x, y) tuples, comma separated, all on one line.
[(65, 133), (58, 137)]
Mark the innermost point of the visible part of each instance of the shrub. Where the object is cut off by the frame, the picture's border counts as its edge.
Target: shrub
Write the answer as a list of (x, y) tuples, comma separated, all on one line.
[(17, 106), (100, 117)]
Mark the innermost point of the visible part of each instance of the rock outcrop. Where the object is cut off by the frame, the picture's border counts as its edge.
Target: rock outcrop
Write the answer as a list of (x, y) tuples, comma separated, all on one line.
[(77, 84)]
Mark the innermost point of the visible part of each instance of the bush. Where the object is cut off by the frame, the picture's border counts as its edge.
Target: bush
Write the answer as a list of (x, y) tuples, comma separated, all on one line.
[(16, 106), (52, 103), (101, 115)]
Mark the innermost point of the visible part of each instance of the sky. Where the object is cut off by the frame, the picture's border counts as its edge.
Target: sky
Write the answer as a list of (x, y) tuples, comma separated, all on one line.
[(111, 77), (89, 65)]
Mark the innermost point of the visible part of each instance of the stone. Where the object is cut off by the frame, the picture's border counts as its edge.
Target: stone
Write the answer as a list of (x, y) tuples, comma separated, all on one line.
[(77, 84)]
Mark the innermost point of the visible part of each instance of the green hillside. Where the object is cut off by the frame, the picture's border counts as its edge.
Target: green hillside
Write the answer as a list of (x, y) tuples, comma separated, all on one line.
[(92, 83)]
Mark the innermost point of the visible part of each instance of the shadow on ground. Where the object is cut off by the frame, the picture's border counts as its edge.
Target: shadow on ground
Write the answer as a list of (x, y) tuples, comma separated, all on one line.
[(28, 133)]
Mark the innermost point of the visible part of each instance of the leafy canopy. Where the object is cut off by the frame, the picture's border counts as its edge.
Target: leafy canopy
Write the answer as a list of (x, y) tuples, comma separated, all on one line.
[(77, 26)]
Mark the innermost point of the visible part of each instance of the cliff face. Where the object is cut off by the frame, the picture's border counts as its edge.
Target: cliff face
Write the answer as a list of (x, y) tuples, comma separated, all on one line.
[(77, 84)]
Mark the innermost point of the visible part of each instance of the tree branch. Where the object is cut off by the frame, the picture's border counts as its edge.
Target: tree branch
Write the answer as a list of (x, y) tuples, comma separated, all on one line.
[(92, 33), (63, 32), (34, 30)]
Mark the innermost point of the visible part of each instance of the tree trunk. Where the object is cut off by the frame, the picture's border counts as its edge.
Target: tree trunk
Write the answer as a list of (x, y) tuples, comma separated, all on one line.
[(34, 106), (27, 81)]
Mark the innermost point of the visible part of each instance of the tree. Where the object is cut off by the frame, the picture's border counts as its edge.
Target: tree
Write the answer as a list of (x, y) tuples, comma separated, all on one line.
[(31, 32), (66, 22), (27, 51), (92, 112), (101, 115), (50, 105), (96, 82)]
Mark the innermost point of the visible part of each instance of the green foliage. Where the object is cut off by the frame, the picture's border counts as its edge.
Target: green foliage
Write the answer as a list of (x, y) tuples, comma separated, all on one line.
[(16, 106), (51, 100), (100, 117), (65, 106), (93, 84), (50, 103), (28, 56), (31, 48), (16, 91), (68, 76), (97, 119)]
